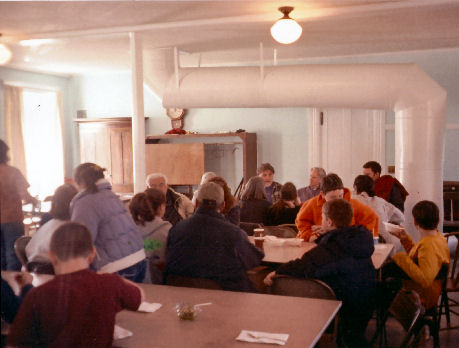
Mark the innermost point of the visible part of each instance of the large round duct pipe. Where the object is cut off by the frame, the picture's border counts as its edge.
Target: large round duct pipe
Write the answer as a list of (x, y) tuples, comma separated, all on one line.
[(418, 102)]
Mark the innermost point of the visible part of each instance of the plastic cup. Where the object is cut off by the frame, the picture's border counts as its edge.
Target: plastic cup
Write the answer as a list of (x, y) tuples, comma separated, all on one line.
[(375, 240), (259, 237)]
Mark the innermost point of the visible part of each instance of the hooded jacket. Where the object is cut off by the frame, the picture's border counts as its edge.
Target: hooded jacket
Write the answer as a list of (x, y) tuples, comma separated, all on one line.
[(114, 233), (342, 259), (311, 214)]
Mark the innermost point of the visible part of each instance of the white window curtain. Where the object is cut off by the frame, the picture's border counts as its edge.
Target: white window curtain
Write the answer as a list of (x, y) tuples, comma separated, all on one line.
[(13, 127), (41, 123)]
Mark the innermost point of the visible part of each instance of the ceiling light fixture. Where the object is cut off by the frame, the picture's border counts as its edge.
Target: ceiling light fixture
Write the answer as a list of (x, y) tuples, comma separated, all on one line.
[(5, 54), (286, 30)]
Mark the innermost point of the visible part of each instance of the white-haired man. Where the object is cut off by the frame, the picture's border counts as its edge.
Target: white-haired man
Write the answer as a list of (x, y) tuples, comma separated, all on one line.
[(178, 206), (316, 176), (208, 246)]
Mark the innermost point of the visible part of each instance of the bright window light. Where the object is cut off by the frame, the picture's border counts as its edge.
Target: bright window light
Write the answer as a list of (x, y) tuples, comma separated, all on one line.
[(41, 125)]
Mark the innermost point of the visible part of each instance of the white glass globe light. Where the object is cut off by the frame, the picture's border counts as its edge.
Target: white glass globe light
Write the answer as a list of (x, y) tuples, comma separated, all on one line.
[(286, 30), (5, 54)]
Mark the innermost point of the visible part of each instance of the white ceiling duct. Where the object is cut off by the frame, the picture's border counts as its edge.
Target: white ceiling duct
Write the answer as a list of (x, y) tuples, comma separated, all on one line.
[(418, 101)]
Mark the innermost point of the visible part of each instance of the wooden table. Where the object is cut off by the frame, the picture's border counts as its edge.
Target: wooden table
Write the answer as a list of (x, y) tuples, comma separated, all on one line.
[(280, 254), (219, 324)]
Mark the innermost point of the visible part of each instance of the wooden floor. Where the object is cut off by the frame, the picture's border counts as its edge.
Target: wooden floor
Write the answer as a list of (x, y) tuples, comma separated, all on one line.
[(448, 338)]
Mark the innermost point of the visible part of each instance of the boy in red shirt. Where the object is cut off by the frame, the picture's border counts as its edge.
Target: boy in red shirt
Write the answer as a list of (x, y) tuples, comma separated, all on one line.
[(78, 307)]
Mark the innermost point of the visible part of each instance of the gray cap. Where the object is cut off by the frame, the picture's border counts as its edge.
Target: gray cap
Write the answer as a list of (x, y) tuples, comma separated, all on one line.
[(210, 194)]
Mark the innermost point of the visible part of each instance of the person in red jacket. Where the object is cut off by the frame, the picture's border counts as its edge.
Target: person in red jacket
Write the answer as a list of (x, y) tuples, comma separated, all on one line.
[(386, 186), (309, 218)]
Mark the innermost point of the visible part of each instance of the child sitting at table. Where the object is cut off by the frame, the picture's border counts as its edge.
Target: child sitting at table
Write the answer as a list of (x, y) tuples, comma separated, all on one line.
[(78, 307), (342, 259), (423, 260)]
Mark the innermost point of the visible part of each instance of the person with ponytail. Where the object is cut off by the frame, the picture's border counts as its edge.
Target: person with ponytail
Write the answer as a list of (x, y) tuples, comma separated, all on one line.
[(118, 244), (147, 209)]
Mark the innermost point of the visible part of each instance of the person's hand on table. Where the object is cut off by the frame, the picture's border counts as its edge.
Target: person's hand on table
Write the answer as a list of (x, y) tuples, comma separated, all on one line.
[(269, 279), (317, 231), (23, 279)]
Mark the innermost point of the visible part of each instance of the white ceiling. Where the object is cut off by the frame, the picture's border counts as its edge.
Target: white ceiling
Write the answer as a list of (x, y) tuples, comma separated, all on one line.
[(93, 36)]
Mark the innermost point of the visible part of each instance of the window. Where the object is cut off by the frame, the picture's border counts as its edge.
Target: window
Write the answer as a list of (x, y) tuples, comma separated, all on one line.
[(41, 125)]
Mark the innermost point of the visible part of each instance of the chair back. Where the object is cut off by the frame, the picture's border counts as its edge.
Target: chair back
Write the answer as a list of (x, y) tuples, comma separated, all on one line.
[(189, 282), (248, 227), (301, 287), (280, 231), (407, 310), (19, 248)]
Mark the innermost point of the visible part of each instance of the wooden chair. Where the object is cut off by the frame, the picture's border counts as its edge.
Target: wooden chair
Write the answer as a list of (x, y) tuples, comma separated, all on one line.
[(312, 288), (451, 285), (248, 227), (407, 309), (19, 248), (280, 231), (188, 282)]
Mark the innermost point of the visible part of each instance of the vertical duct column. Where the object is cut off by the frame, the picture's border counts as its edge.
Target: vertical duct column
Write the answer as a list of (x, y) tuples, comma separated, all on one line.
[(419, 155), (138, 118)]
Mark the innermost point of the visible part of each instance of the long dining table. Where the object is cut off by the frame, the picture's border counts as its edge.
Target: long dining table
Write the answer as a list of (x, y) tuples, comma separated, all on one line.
[(278, 254), (222, 320)]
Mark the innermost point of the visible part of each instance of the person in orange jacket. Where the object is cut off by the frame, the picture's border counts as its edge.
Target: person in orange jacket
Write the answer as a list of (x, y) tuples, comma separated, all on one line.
[(309, 218)]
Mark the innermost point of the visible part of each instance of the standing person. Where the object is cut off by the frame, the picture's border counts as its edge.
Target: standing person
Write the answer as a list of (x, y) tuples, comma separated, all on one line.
[(364, 192), (386, 186), (316, 176), (77, 308), (272, 188), (232, 210), (13, 190), (309, 218), (178, 206), (147, 209), (254, 204), (342, 259), (286, 209), (118, 243), (37, 250)]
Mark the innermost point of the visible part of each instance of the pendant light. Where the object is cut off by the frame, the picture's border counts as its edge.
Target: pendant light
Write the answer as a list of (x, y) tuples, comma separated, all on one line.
[(286, 30)]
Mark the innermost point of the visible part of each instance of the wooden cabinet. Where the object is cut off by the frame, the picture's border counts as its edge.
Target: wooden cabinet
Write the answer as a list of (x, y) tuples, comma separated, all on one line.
[(108, 143), (184, 158)]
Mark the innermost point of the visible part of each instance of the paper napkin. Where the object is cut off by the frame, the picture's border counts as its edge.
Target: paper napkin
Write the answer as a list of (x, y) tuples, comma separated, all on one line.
[(263, 337), (120, 333), (149, 307)]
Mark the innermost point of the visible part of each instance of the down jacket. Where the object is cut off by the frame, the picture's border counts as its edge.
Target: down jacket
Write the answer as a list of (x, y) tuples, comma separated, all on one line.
[(114, 233)]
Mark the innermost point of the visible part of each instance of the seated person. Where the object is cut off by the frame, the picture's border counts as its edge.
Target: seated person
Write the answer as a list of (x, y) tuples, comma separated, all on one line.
[(386, 186), (286, 209), (232, 211), (309, 218), (11, 302), (147, 209), (204, 178), (178, 206), (342, 259), (364, 192), (78, 307), (254, 204), (272, 188), (208, 246), (423, 260), (37, 250), (315, 181)]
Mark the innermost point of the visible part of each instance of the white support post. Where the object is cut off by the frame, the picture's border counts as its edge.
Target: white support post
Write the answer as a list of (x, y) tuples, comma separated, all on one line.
[(138, 116), (176, 68), (262, 62)]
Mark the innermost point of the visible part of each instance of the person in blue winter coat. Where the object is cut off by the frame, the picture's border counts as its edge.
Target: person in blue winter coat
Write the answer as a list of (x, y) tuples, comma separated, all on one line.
[(342, 259), (119, 246)]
